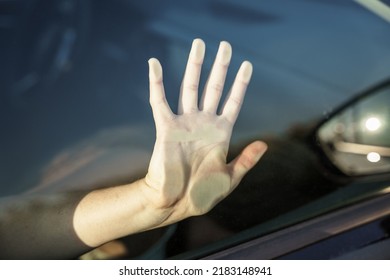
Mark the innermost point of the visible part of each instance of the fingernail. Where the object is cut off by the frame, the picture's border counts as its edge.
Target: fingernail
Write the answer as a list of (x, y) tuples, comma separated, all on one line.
[(245, 72), (224, 52), (155, 71), (197, 50)]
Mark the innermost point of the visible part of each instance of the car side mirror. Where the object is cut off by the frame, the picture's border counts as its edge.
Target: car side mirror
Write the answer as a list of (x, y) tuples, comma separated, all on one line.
[(356, 138)]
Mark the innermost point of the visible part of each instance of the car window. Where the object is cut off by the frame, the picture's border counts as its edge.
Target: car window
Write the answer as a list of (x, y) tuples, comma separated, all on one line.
[(75, 111)]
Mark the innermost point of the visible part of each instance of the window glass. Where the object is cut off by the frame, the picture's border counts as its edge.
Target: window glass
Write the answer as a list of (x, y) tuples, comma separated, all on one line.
[(75, 113)]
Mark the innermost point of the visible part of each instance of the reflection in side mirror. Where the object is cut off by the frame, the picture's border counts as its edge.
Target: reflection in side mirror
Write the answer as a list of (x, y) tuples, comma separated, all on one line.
[(357, 138)]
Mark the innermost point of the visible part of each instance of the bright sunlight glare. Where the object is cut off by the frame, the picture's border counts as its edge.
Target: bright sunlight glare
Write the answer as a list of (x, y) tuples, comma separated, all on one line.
[(373, 124), (373, 157)]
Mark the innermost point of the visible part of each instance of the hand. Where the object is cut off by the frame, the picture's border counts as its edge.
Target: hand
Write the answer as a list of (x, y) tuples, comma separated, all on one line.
[(188, 173)]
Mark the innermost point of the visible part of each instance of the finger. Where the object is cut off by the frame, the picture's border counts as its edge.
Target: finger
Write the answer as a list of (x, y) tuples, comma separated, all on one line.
[(214, 86), (188, 100), (234, 100), (157, 98), (246, 160)]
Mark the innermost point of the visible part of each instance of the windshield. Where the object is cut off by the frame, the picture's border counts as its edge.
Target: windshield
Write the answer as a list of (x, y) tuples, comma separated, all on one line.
[(75, 112)]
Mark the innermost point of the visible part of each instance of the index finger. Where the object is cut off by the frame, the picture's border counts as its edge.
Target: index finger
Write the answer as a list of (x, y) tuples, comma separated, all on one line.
[(235, 98)]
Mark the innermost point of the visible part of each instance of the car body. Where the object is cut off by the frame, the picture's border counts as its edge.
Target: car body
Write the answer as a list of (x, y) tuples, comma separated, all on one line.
[(84, 120)]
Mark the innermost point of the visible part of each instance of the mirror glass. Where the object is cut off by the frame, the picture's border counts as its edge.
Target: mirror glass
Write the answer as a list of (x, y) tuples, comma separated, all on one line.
[(357, 139)]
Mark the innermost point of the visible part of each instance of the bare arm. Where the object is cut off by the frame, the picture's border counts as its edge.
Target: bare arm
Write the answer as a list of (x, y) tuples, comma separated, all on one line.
[(187, 175)]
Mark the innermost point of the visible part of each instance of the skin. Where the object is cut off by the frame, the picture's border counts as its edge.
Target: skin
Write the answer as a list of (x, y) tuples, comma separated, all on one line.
[(187, 176)]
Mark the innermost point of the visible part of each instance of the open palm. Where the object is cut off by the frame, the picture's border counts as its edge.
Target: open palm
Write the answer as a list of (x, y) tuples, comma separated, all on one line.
[(188, 172)]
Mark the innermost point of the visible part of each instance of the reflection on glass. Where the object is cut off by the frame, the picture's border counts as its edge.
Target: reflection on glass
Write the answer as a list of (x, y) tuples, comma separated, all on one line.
[(373, 124), (357, 140), (373, 157)]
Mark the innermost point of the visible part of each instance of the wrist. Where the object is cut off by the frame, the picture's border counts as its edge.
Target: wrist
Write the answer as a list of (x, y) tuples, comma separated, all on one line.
[(154, 199)]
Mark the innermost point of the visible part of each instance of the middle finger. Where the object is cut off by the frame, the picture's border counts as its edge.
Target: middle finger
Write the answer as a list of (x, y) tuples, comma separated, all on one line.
[(214, 86)]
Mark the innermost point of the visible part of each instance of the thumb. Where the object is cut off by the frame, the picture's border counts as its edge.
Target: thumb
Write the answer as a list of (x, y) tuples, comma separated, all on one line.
[(246, 160)]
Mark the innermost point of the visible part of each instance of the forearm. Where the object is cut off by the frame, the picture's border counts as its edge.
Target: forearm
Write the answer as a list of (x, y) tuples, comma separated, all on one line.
[(65, 225), (111, 213)]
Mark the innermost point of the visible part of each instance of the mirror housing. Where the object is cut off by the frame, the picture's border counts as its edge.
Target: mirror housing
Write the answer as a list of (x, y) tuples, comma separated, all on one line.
[(356, 137)]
